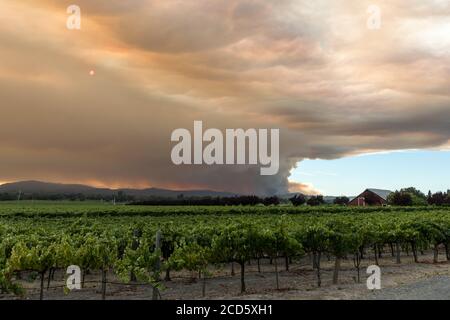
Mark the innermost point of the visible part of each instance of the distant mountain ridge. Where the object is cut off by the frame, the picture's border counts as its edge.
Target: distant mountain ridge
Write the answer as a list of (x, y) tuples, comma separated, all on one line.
[(48, 188)]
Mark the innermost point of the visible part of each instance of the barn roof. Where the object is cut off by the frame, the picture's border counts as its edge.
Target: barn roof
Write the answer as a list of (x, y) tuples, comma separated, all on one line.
[(381, 193)]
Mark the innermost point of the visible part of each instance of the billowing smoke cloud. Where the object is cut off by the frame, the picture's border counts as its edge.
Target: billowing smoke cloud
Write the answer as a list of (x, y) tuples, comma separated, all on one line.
[(312, 69)]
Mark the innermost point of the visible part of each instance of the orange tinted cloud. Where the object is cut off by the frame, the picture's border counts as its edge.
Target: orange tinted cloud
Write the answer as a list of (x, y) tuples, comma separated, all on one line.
[(304, 188)]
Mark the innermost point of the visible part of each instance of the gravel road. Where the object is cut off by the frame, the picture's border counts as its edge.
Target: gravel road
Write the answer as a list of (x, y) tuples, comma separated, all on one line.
[(435, 288)]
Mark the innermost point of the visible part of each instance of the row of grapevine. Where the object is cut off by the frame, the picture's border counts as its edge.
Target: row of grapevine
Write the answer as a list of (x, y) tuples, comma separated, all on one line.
[(140, 248)]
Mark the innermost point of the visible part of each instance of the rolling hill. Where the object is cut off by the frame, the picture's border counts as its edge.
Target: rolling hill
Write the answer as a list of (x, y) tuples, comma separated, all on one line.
[(47, 188)]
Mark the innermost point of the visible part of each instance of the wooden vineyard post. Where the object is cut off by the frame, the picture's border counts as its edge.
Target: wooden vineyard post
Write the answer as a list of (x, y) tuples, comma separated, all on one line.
[(397, 249), (436, 254), (158, 263), (104, 271), (337, 266), (276, 273)]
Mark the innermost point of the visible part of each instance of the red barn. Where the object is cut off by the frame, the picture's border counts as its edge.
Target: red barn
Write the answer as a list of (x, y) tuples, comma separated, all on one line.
[(371, 197)]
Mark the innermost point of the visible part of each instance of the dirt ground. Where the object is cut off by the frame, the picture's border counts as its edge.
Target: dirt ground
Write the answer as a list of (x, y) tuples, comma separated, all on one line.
[(299, 283)]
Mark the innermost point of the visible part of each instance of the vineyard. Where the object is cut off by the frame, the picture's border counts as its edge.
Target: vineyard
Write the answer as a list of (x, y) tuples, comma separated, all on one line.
[(148, 245)]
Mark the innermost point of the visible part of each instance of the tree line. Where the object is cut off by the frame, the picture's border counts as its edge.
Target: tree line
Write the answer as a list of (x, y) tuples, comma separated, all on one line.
[(413, 197), (403, 197), (211, 201)]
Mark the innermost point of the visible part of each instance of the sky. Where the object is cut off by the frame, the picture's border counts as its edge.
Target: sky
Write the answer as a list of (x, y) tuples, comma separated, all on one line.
[(98, 105), (425, 170)]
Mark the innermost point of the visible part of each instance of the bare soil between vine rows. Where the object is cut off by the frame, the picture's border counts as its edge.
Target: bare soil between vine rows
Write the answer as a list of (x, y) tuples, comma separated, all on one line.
[(299, 283)]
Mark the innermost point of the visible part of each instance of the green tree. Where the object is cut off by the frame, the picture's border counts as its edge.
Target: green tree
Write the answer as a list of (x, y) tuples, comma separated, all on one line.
[(400, 198), (418, 197), (298, 200), (341, 200), (315, 200)]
